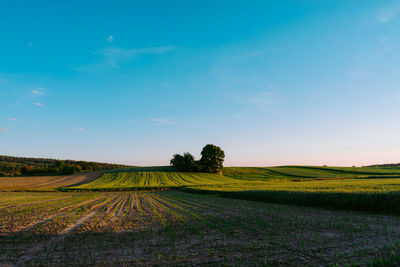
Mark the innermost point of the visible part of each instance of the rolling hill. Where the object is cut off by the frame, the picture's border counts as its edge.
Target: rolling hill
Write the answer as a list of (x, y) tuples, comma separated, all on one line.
[(151, 178)]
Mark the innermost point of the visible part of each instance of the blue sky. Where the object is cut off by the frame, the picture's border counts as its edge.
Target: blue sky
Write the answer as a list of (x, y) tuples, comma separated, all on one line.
[(271, 82)]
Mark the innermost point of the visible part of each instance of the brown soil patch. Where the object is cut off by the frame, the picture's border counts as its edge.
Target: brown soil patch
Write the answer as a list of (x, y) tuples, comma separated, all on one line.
[(37, 183)]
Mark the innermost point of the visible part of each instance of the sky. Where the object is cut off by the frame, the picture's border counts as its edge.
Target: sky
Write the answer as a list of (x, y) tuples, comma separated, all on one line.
[(302, 82)]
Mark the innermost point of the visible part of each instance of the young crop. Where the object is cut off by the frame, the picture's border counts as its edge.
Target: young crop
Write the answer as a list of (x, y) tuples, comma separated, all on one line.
[(180, 228)]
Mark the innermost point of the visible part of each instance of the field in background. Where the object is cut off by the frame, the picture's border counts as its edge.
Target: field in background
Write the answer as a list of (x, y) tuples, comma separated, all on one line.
[(151, 178), (215, 226), (46, 183), (287, 178), (309, 172), (249, 178), (371, 189), (176, 228), (367, 185)]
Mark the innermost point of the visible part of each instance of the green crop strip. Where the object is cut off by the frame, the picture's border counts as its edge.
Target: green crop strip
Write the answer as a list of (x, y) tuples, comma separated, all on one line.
[(128, 205), (118, 206), (154, 210), (170, 202), (138, 204), (176, 215), (230, 232)]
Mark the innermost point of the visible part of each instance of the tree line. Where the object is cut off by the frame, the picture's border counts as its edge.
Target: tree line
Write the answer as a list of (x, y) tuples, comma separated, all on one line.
[(212, 159), (16, 166)]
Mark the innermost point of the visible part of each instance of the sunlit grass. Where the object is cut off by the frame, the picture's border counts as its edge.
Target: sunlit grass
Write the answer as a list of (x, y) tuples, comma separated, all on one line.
[(380, 185), (148, 179)]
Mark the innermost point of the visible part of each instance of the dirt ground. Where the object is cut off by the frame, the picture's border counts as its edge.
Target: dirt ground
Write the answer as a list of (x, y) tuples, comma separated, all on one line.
[(180, 229), (37, 183)]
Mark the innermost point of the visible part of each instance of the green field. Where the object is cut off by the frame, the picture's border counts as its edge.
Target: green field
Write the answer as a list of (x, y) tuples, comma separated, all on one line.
[(163, 216), (370, 185), (369, 189), (309, 172), (151, 178), (247, 178), (173, 228), (360, 189)]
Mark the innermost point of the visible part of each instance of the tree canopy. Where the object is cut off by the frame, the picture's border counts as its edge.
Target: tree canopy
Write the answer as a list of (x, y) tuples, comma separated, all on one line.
[(185, 163), (212, 158), (15, 166)]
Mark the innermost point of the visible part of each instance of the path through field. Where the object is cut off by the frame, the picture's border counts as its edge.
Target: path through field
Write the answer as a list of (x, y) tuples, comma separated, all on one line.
[(176, 228)]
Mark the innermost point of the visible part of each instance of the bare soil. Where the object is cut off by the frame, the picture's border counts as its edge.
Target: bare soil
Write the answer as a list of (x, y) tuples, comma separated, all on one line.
[(212, 231), (38, 183)]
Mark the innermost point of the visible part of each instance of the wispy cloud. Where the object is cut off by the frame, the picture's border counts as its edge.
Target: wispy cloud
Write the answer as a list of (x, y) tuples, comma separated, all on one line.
[(388, 13), (3, 130), (14, 119), (110, 39), (39, 104), (188, 103), (256, 53), (265, 99), (81, 129), (163, 121), (385, 47), (361, 72), (115, 57), (30, 44), (36, 92)]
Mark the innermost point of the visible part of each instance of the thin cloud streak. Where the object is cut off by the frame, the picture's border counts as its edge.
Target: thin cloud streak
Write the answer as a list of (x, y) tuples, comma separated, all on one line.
[(388, 14), (256, 54), (37, 92), (196, 104), (39, 104), (121, 52), (163, 121), (264, 98), (81, 129), (14, 119), (116, 56), (3, 130)]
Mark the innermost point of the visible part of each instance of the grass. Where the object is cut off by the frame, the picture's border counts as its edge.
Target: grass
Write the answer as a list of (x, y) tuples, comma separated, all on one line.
[(369, 189), (372, 185), (175, 228), (309, 172), (151, 178), (165, 177), (16, 198), (379, 195)]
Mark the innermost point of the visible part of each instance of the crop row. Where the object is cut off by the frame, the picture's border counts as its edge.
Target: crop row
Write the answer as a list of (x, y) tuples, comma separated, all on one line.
[(308, 172), (176, 228), (371, 195), (144, 179)]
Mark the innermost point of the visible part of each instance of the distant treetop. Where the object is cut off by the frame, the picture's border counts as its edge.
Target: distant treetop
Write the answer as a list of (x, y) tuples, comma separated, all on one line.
[(15, 166), (212, 159)]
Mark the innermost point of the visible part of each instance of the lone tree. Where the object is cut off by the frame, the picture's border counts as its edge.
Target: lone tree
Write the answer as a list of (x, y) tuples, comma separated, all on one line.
[(212, 159), (185, 163)]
